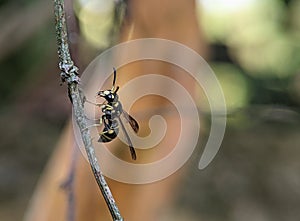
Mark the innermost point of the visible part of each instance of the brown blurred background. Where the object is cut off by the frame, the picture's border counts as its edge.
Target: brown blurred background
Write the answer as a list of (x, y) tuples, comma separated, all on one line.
[(253, 47)]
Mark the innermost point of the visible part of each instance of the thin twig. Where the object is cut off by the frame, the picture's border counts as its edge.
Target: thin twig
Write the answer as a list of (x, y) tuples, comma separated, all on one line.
[(69, 184), (69, 74)]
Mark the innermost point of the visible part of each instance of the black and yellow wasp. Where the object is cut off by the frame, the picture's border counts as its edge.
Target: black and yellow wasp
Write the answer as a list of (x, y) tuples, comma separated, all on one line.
[(111, 117)]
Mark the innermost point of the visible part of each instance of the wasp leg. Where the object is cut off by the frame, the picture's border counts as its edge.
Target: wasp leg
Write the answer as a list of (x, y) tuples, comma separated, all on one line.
[(94, 120), (109, 106), (103, 138), (92, 125), (96, 104), (107, 135), (95, 125)]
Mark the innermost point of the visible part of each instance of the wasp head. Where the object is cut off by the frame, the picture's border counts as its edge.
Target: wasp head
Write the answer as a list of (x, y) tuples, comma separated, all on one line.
[(109, 95)]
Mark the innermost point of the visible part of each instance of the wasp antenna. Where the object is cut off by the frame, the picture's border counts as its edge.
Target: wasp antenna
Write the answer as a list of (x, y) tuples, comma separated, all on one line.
[(117, 89), (115, 76)]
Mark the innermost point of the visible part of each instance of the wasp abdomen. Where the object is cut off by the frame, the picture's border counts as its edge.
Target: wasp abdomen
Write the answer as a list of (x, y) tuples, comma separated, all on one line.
[(110, 131), (108, 135)]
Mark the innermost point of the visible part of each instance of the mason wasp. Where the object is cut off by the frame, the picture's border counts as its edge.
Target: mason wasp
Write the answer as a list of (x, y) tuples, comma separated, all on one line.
[(111, 118)]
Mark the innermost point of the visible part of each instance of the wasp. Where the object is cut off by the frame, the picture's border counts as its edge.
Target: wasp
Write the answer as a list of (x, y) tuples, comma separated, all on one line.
[(111, 118)]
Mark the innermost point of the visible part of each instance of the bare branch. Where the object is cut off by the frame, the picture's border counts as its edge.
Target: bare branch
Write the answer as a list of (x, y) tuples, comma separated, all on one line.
[(69, 74)]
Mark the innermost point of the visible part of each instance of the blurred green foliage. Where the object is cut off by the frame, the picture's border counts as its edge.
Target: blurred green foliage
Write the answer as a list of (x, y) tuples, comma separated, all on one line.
[(22, 65), (262, 39)]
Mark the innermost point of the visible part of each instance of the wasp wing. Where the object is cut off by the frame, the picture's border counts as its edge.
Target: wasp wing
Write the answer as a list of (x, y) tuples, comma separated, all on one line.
[(133, 123), (132, 151)]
